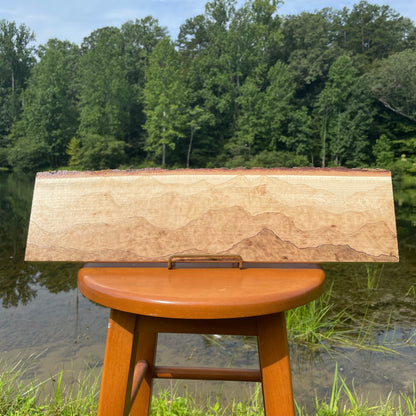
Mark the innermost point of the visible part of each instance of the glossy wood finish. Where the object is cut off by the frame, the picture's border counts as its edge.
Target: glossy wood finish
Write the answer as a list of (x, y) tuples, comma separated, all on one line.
[(201, 293), (148, 300), (272, 215), (274, 365), (144, 349), (118, 382), (203, 373), (116, 379), (141, 369)]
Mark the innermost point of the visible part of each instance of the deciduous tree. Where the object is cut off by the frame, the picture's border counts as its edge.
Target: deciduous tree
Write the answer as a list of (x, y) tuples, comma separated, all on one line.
[(16, 61), (104, 91), (393, 82), (165, 100), (50, 116)]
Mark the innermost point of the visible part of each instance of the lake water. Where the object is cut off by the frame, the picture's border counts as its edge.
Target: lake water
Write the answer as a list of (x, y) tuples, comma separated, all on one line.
[(42, 313)]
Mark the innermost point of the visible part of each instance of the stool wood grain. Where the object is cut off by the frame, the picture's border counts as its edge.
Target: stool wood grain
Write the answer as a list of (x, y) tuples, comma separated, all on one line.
[(145, 301)]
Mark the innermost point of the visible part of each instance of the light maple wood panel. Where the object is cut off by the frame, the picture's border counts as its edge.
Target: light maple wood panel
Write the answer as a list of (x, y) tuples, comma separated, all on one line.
[(264, 215)]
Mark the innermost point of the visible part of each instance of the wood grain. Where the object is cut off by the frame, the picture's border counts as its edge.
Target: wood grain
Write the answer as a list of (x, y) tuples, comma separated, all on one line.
[(274, 360), (264, 215), (201, 293)]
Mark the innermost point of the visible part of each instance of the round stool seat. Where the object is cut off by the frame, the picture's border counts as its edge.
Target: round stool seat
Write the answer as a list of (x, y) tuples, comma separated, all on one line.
[(201, 293)]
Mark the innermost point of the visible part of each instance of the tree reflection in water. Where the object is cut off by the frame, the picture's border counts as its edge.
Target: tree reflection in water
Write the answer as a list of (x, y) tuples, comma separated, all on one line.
[(18, 279)]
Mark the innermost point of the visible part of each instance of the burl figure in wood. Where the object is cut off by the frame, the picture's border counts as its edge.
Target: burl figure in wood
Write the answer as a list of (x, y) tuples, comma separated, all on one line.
[(145, 227)]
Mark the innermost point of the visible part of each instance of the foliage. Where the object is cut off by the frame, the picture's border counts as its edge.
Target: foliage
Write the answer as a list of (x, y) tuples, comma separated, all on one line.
[(346, 401), (18, 399), (169, 402), (265, 109), (346, 114), (73, 150), (305, 46), (373, 31), (328, 88), (16, 62), (100, 152), (275, 159), (164, 99), (49, 117), (393, 82), (383, 153), (28, 155), (310, 323), (198, 117), (103, 88), (268, 159)]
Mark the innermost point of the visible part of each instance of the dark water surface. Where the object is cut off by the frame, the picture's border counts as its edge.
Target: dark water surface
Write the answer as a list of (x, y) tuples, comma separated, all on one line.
[(42, 313)]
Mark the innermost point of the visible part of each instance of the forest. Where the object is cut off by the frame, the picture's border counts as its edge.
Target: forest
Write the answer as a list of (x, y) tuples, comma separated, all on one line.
[(240, 86)]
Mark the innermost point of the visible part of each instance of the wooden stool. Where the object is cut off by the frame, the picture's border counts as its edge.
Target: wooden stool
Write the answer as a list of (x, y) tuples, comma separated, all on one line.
[(263, 215), (205, 300)]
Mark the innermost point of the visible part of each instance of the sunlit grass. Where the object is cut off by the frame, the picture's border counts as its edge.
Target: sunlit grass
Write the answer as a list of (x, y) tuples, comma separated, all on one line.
[(346, 401), (49, 397), (315, 323), (374, 274), (168, 403), (319, 325), (17, 399)]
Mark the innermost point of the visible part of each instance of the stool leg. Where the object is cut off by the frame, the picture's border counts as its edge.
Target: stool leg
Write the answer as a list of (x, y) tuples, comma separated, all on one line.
[(274, 365), (117, 358), (145, 350)]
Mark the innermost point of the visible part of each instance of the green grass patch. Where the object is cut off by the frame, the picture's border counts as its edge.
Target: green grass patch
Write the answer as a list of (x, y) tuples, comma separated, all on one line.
[(346, 401), (81, 398), (169, 403), (50, 397), (315, 323), (318, 324)]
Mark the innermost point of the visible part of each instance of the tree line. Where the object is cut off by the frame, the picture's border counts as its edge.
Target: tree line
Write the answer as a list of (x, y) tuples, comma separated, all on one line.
[(240, 86)]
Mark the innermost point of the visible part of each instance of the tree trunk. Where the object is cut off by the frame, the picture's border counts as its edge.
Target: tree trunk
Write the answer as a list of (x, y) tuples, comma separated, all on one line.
[(190, 147), (362, 39), (164, 145), (324, 139), (13, 97)]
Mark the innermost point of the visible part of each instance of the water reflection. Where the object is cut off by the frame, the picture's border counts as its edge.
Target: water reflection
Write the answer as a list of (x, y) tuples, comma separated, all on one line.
[(17, 278)]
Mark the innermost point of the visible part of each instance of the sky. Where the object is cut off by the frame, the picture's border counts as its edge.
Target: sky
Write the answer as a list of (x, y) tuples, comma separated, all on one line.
[(75, 19)]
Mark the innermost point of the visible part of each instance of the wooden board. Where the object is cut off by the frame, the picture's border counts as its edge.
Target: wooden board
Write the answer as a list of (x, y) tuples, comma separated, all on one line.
[(264, 215)]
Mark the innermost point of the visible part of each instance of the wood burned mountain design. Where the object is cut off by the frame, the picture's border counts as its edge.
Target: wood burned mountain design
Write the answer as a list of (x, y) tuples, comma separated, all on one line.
[(264, 215)]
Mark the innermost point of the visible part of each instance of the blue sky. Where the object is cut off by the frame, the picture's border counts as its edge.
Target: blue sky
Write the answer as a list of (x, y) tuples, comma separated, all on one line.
[(74, 19)]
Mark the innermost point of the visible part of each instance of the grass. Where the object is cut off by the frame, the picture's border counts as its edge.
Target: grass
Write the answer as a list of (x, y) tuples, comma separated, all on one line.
[(59, 398), (81, 399), (345, 401), (316, 324), (169, 403), (374, 273)]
